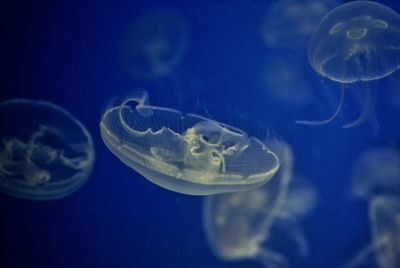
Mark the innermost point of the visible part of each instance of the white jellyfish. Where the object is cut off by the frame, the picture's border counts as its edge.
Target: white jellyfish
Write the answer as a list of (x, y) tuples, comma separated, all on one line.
[(358, 41)]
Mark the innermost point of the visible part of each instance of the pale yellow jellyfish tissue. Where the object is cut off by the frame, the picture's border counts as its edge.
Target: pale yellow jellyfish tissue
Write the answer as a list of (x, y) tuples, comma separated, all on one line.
[(189, 154)]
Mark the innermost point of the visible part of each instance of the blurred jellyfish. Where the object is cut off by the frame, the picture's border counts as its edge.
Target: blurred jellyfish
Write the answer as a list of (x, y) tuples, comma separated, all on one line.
[(189, 154), (45, 153), (290, 23), (237, 225), (384, 250), (377, 171), (155, 45), (287, 82), (385, 218), (356, 42)]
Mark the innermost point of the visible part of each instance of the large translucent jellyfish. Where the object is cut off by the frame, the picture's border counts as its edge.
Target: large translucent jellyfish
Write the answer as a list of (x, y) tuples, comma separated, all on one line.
[(290, 23), (377, 171), (189, 154), (384, 214), (155, 45), (356, 42), (237, 225), (45, 153)]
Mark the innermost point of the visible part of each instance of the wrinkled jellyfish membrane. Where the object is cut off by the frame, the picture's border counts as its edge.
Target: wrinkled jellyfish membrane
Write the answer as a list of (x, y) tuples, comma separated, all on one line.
[(155, 45), (290, 23), (356, 42), (376, 171), (189, 154), (45, 153), (384, 214), (238, 225)]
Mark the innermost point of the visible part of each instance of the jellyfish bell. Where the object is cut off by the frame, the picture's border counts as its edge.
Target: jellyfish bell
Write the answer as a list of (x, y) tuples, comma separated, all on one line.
[(155, 45), (189, 153), (290, 23), (358, 41), (45, 153), (376, 171)]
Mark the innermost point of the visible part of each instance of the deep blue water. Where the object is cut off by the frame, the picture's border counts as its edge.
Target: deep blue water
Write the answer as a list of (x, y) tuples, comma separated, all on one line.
[(68, 53)]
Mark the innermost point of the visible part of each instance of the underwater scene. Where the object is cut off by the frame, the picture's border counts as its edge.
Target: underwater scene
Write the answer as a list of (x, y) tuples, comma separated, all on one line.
[(210, 134)]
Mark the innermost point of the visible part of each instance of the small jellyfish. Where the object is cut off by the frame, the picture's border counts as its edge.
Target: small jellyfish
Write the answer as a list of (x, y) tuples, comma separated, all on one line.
[(383, 251), (290, 23), (155, 45), (189, 154), (377, 171), (237, 225), (356, 42), (45, 153)]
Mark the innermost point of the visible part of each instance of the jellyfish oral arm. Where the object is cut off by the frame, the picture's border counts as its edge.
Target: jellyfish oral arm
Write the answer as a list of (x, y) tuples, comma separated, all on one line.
[(272, 259), (330, 119)]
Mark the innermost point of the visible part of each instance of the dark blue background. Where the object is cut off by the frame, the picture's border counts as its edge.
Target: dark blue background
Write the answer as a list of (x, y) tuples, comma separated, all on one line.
[(67, 53)]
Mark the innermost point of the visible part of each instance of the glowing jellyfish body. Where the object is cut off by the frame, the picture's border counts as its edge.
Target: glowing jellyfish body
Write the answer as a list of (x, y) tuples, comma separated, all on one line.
[(357, 41), (187, 154), (290, 23), (377, 171), (155, 45), (45, 153), (238, 224)]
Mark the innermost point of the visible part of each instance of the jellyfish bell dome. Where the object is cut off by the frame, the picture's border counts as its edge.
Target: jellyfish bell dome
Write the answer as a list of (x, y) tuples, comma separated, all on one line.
[(45, 153), (189, 153), (357, 41)]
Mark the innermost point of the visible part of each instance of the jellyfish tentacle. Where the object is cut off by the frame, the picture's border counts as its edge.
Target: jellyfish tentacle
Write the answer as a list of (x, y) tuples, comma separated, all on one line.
[(360, 257), (366, 112), (331, 118), (365, 252), (292, 227), (272, 259)]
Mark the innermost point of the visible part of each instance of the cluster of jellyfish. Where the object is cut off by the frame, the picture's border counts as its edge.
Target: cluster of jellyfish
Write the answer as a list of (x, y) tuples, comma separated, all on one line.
[(251, 189)]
